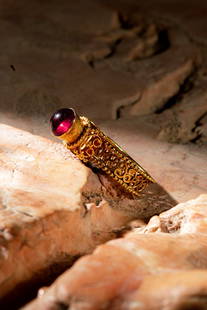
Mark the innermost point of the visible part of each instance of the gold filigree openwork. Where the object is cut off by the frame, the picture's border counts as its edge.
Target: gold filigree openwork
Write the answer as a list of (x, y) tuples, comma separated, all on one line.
[(94, 147)]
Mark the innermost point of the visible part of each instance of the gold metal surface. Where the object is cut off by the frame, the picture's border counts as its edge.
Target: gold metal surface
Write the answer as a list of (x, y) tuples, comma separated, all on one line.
[(92, 146), (74, 132)]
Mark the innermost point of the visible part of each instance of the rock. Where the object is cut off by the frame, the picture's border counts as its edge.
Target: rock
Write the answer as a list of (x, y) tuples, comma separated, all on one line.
[(188, 217), (126, 60), (165, 77), (186, 121), (139, 71), (133, 37), (181, 169), (165, 269), (53, 209), (51, 47), (181, 290), (201, 129), (189, 17)]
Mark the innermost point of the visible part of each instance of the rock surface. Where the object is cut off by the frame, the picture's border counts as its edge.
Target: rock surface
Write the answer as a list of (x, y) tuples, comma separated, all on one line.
[(126, 60), (139, 71), (162, 266), (189, 217), (53, 209)]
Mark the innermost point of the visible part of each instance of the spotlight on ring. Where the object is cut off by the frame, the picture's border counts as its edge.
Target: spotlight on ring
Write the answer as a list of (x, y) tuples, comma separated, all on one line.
[(83, 138)]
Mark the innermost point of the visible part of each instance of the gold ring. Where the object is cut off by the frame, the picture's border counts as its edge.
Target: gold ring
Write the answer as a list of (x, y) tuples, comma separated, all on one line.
[(84, 139)]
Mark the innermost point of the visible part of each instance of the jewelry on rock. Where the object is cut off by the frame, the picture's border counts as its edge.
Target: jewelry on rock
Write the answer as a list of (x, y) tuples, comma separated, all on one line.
[(84, 139)]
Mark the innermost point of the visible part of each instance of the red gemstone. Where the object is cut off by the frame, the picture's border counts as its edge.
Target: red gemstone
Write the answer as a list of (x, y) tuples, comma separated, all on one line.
[(62, 121)]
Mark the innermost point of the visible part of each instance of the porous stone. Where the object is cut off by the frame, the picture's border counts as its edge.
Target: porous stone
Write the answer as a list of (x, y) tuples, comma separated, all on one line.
[(139, 71), (53, 209), (147, 269)]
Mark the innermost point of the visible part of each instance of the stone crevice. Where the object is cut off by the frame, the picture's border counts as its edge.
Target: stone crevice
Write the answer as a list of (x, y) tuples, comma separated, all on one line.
[(186, 86)]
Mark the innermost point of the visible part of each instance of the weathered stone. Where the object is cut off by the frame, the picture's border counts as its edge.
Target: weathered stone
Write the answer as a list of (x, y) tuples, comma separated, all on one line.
[(181, 169), (181, 290), (166, 79), (144, 270), (54, 209), (124, 60), (188, 217), (186, 121), (108, 62)]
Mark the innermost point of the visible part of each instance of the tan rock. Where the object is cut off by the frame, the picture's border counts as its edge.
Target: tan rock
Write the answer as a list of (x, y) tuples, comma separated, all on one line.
[(186, 121), (43, 68), (188, 217), (68, 54), (178, 290), (167, 85), (141, 271), (149, 45), (161, 78), (181, 169), (54, 209), (43, 45)]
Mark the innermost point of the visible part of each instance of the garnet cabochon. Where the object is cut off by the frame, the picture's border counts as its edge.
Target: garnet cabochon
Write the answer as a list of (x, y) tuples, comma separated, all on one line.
[(61, 121)]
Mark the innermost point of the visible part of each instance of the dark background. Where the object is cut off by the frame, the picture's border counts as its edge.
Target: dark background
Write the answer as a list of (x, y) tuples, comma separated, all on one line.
[(110, 60)]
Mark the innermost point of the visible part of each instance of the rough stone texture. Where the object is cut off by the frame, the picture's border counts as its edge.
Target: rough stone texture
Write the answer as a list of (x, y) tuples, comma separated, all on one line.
[(161, 266), (164, 77), (41, 204), (177, 126), (188, 217), (181, 169), (54, 209), (128, 58), (138, 69)]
